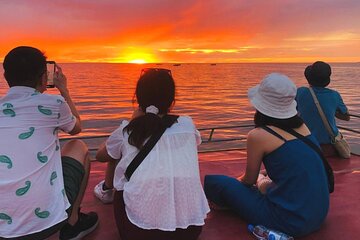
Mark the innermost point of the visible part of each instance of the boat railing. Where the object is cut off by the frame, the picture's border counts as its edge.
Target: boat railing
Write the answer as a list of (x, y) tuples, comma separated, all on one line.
[(207, 135), (348, 128), (212, 131), (354, 115), (218, 135)]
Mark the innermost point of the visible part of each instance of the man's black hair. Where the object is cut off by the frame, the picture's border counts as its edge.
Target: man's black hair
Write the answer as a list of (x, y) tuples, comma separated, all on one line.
[(24, 66)]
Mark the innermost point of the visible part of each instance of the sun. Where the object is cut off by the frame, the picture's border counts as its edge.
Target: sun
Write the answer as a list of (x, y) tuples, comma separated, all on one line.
[(138, 61), (138, 55)]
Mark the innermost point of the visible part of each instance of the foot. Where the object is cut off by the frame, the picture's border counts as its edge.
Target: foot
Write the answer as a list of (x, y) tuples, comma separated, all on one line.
[(105, 196), (260, 178), (85, 225)]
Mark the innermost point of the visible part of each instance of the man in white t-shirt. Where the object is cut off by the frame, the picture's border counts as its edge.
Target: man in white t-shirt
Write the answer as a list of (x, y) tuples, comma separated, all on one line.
[(41, 186)]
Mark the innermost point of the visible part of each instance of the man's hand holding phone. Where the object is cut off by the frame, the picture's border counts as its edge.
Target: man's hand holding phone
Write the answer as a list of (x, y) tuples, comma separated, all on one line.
[(60, 80), (50, 68)]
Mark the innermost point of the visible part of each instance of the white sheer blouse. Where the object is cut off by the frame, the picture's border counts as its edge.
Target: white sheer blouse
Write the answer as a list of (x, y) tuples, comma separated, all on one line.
[(165, 191)]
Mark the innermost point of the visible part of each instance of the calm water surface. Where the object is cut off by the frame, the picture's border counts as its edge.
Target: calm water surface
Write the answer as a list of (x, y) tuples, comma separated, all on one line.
[(213, 95)]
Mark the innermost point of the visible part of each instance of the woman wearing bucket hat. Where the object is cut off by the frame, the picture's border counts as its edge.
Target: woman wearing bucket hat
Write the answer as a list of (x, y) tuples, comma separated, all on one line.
[(297, 200), (318, 76)]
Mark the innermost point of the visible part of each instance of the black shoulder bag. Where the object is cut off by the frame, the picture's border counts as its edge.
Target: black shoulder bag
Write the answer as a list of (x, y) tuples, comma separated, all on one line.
[(328, 169), (167, 121)]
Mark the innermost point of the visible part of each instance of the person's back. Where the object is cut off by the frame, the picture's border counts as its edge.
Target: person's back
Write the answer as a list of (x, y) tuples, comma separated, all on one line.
[(165, 190), (297, 172), (29, 152), (41, 186), (318, 76), (330, 101), (294, 197), (163, 198)]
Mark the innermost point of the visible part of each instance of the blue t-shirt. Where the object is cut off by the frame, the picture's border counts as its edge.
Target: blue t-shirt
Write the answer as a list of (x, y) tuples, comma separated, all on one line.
[(330, 102)]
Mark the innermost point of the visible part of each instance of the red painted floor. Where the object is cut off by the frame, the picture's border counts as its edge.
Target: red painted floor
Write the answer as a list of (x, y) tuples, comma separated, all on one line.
[(343, 221)]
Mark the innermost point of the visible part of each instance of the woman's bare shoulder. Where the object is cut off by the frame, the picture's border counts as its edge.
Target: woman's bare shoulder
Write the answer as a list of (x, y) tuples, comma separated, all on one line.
[(257, 134)]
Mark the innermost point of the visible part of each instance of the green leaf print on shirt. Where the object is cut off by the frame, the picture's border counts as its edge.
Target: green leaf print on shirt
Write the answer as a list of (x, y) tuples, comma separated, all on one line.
[(42, 159), (23, 190), (59, 115), (28, 134), (52, 177), (43, 214), (9, 112), (6, 159), (59, 101), (5, 217), (8, 105), (44, 110)]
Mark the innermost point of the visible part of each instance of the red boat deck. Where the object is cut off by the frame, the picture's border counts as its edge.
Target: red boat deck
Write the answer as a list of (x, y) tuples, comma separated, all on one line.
[(343, 221)]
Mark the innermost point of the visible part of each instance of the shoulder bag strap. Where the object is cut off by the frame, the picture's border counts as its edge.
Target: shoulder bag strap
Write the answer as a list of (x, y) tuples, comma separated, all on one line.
[(328, 168), (322, 114), (167, 121)]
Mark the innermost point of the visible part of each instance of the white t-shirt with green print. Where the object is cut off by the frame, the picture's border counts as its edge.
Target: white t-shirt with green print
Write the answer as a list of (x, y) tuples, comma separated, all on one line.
[(32, 196)]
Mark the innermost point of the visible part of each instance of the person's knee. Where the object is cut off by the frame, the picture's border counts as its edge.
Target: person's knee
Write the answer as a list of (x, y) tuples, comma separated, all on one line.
[(213, 186), (210, 181), (76, 149)]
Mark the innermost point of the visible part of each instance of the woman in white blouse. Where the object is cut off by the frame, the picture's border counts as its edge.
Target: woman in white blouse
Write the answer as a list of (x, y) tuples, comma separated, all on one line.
[(164, 198)]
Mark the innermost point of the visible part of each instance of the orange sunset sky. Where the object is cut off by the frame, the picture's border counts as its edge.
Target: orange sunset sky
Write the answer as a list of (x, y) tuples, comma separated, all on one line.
[(196, 31)]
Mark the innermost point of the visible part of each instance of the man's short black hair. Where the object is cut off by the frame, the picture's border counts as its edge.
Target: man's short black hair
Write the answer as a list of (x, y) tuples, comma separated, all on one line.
[(24, 66)]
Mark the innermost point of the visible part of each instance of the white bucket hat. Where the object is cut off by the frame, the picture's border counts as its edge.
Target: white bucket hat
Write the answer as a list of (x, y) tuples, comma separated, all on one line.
[(274, 96)]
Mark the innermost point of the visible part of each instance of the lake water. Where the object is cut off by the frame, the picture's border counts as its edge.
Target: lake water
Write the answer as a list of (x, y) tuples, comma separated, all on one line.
[(213, 95)]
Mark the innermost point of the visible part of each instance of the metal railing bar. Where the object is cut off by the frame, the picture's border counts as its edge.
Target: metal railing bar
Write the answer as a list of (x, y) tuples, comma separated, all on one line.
[(223, 140), (355, 115), (200, 151), (349, 129), (212, 129), (211, 134), (221, 150), (209, 139), (84, 137), (227, 127)]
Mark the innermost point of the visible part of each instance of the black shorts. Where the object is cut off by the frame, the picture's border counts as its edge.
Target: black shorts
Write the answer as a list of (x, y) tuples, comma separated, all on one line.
[(73, 172)]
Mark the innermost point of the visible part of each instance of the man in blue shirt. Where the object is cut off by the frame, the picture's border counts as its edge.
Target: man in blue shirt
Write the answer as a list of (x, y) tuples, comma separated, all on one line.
[(318, 77)]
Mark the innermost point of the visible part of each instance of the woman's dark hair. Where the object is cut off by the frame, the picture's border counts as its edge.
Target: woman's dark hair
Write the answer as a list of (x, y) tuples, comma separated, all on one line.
[(261, 120), (24, 66), (155, 87)]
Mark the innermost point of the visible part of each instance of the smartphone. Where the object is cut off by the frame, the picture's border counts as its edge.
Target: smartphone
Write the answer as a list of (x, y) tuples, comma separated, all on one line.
[(50, 67)]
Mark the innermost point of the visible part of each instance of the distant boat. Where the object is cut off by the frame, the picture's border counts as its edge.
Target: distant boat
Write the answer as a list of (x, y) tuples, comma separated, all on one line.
[(213, 64), (159, 64), (177, 64)]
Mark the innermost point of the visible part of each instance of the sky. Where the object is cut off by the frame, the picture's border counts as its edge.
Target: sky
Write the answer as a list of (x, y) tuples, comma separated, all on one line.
[(176, 31)]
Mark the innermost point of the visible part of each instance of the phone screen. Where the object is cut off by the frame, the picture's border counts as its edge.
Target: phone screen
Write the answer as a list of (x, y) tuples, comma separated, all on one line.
[(50, 67)]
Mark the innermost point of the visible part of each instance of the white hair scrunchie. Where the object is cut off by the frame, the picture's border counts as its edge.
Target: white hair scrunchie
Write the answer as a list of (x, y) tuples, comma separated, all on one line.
[(152, 109)]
